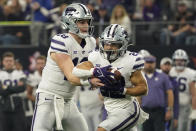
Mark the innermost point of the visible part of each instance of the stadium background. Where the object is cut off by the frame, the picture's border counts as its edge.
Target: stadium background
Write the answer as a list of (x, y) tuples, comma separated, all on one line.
[(145, 26)]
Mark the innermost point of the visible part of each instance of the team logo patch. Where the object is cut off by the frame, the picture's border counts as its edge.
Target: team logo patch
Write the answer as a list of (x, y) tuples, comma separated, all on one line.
[(75, 52), (118, 68), (90, 51), (98, 65)]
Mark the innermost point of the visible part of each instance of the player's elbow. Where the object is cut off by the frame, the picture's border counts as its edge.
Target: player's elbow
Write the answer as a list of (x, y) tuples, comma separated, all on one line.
[(144, 90)]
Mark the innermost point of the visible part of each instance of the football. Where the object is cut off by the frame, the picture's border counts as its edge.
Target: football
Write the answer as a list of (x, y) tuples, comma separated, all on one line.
[(117, 74)]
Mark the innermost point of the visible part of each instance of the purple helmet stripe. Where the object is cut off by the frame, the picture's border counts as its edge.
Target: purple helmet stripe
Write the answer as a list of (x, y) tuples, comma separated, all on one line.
[(114, 30), (85, 11)]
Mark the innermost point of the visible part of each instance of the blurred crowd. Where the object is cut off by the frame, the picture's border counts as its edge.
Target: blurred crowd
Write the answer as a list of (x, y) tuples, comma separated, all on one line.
[(157, 22)]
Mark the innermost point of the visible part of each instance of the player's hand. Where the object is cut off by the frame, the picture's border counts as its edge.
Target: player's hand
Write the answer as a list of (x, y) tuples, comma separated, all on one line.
[(116, 90), (175, 123), (101, 72), (95, 82), (35, 5), (168, 115), (20, 83), (107, 92)]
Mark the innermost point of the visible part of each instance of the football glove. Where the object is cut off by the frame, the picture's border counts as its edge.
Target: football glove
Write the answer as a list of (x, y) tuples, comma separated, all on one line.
[(114, 89), (101, 72)]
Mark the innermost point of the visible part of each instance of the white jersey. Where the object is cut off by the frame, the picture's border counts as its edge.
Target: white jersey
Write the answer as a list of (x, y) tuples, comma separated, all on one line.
[(84, 93), (183, 78), (33, 81), (12, 78), (127, 64), (53, 79)]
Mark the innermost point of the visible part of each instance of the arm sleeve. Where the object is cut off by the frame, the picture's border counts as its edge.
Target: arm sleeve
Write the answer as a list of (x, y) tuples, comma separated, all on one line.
[(93, 57), (4, 92), (11, 90), (168, 84), (59, 44), (16, 89), (138, 64)]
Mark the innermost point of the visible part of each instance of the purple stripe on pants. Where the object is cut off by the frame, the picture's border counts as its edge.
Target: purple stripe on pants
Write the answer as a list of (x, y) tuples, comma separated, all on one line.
[(133, 121), (35, 111), (128, 119)]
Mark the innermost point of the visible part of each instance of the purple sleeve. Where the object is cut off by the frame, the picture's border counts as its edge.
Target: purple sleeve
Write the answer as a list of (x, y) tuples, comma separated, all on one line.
[(176, 102), (168, 84), (145, 17), (156, 12), (48, 4)]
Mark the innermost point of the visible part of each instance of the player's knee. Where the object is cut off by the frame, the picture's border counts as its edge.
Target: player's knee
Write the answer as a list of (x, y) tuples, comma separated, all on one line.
[(101, 129)]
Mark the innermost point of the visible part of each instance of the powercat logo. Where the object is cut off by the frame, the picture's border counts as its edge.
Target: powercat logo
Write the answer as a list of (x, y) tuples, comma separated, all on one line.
[(69, 11)]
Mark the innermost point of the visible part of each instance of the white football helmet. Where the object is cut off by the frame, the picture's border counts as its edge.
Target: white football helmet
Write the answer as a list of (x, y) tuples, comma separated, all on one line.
[(72, 14), (180, 59), (114, 34), (144, 53)]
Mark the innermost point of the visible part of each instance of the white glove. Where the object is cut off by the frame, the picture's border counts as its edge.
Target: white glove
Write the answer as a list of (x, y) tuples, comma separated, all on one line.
[(192, 116)]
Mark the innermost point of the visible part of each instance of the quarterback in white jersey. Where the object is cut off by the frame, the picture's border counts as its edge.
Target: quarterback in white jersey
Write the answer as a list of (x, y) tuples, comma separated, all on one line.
[(186, 79), (54, 102), (33, 81), (123, 109)]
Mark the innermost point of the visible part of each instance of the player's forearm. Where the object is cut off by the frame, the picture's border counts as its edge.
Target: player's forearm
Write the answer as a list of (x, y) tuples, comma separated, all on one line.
[(170, 98), (193, 94), (4, 92), (176, 104), (137, 90), (139, 99), (193, 102), (74, 80), (82, 73), (83, 70)]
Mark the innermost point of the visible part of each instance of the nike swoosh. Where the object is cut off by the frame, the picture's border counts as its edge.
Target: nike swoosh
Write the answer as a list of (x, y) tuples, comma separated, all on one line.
[(119, 68), (47, 99)]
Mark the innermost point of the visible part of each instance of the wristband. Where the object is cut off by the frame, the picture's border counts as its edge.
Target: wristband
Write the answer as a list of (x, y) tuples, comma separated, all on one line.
[(169, 108), (125, 91), (82, 72)]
